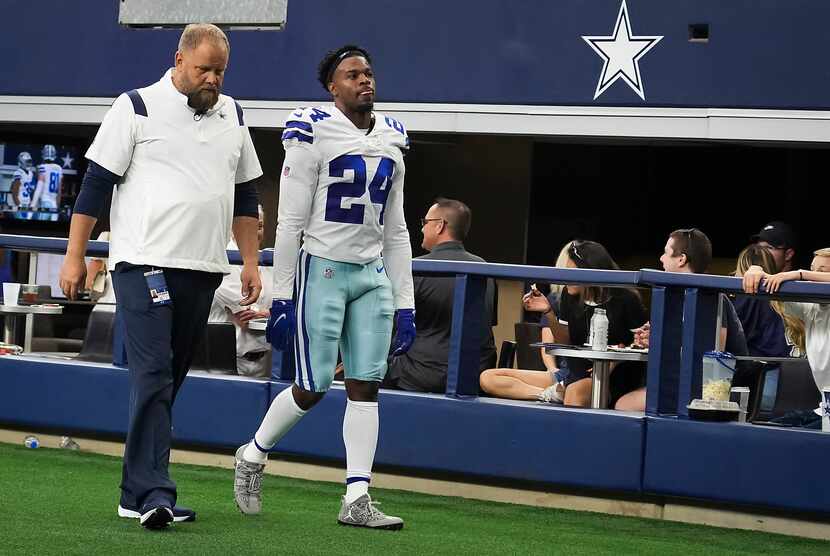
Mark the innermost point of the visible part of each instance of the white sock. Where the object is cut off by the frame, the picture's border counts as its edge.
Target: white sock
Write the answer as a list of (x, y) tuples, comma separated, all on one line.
[(360, 435), (280, 418)]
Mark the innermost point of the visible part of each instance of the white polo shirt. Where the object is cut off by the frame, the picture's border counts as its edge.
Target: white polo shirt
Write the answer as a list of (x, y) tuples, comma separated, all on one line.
[(174, 205)]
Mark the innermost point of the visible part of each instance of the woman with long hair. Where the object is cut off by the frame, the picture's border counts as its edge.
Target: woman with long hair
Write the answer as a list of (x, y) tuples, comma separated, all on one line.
[(769, 330), (625, 312)]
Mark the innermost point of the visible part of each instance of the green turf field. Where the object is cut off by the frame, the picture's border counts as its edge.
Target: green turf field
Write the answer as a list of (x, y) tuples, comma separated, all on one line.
[(61, 502)]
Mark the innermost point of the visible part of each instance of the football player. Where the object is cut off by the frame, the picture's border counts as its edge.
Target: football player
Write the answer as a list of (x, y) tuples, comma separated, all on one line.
[(22, 182), (49, 179), (341, 195)]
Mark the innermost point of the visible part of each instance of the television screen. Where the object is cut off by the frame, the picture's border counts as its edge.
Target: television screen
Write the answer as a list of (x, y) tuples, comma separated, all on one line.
[(38, 182)]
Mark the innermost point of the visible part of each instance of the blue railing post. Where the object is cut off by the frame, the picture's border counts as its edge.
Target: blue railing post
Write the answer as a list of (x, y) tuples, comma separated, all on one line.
[(664, 351), (468, 310), (700, 309)]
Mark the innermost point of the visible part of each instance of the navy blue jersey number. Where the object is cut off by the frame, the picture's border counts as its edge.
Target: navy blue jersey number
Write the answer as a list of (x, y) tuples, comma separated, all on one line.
[(317, 115), (396, 125), (378, 188)]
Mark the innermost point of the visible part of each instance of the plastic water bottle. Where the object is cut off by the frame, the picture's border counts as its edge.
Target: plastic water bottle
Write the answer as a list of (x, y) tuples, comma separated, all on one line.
[(599, 330), (31, 442)]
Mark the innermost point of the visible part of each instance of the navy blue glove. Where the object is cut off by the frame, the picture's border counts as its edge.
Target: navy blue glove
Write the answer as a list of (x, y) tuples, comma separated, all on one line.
[(281, 323), (405, 324)]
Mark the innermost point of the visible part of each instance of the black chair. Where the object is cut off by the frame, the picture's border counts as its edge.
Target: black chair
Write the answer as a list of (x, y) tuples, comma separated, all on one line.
[(97, 346), (216, 351), (221, 347), (785, 387), (529, 358), (507, 355)]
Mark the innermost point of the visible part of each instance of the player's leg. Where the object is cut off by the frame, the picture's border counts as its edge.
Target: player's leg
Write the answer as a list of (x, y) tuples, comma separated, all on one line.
[(320, 304), (367, 332)]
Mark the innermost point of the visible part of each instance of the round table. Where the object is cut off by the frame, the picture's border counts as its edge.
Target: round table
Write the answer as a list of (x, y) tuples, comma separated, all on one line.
[(601, 366), (12, 312)]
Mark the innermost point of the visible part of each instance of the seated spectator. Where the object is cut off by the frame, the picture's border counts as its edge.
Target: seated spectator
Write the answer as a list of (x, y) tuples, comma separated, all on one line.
[(815, 316), (625, 312), (424, 367), (252, 350), (764, 321), (522, 384), (689, 251)]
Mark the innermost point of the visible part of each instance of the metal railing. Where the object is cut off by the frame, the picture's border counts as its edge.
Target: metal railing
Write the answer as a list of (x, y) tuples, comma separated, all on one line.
[(683, 313)]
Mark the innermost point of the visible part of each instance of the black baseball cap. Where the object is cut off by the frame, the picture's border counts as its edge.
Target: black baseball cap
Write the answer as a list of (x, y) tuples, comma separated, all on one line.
[(778, 234)]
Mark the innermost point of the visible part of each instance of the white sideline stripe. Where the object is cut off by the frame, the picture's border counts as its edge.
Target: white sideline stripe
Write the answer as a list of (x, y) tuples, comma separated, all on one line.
[(717, 124), (702, 515)]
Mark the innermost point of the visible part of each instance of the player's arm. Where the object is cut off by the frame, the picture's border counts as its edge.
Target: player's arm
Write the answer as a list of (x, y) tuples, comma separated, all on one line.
[(397, 251), (397, 257), (41, 183), (15, 193), (297, 187)]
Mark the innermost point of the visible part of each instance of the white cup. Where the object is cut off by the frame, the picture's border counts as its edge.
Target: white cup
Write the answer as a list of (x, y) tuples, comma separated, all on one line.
[(825, 419), (11, 293), (742, 393)]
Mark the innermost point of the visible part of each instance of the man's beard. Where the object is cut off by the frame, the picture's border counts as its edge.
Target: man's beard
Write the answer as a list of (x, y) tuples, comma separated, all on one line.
[(202, 100)]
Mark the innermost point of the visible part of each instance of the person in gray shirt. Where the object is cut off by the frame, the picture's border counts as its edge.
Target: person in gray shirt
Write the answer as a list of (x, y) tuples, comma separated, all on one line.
[(424, 367)]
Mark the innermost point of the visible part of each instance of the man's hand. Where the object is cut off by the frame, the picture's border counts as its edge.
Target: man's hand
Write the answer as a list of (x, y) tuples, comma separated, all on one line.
[(405, 323), (243, 317), (642, 335), (753, 277), (281, 323), (72, 276), (251, 284)]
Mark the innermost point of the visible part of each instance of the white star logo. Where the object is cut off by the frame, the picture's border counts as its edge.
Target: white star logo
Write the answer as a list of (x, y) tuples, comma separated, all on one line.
[(621, 53), (67, 160)]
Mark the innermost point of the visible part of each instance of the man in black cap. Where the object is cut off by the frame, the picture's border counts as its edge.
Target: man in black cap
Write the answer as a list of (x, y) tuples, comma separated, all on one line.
[(781, 242)]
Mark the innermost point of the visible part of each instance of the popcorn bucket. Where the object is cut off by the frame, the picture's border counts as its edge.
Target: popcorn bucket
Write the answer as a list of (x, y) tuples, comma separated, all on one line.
[(718, 368)]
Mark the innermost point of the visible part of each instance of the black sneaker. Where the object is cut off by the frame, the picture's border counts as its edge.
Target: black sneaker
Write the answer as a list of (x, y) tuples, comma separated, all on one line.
[(180, 514), (155, 516)]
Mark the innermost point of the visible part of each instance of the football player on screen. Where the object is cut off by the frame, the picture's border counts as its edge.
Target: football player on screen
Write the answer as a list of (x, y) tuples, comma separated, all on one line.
[(23, 183), (49, 180)]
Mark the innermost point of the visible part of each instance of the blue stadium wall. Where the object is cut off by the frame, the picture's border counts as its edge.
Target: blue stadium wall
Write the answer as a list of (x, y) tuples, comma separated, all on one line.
[(761, 53)]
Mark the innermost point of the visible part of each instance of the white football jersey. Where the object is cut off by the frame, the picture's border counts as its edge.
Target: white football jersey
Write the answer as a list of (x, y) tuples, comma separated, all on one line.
[(27, 186), (341, 191), (50, 174)]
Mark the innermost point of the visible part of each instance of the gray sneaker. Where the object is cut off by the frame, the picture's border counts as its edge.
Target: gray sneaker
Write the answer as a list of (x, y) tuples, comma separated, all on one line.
[(364, 513), (247, 484)]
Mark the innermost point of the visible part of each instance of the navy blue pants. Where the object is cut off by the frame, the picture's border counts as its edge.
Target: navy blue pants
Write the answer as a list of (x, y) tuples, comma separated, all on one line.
[(160, 343)]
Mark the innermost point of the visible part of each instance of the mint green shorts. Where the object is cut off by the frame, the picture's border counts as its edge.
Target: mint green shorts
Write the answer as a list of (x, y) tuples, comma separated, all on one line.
[(346, 306)]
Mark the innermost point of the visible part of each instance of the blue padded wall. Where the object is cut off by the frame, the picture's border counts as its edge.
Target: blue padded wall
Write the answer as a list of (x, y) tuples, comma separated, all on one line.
[(496, 438), (784, 468)]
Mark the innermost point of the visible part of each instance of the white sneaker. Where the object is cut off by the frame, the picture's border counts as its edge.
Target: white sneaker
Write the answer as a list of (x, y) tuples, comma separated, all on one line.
[(363, 512), (555, 393)]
